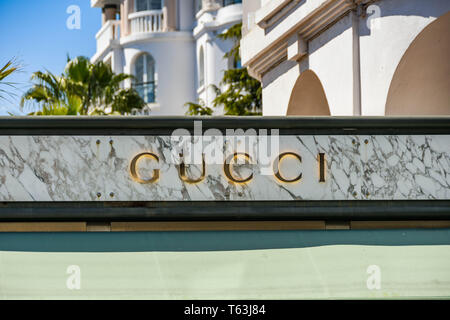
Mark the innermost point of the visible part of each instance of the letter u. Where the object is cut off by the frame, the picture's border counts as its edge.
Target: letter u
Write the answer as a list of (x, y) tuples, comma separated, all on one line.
[(183, 175)]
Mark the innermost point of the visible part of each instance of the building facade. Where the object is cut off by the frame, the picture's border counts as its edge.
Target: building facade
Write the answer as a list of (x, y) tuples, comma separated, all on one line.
[(170, 46), (347, 57)]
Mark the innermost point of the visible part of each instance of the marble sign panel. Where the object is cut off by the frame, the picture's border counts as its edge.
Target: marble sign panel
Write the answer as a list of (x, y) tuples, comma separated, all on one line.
[(99, 168)]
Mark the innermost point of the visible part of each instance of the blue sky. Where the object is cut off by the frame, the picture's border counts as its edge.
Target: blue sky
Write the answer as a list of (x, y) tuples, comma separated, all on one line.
[(35, 33)]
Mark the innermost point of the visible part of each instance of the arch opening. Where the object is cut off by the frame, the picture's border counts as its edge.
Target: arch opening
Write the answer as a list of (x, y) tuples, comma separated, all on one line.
[(421, 83), (308, 97)]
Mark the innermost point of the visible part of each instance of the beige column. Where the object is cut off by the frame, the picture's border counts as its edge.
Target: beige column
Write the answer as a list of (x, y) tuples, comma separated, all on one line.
[(126, 8), (170, 15)]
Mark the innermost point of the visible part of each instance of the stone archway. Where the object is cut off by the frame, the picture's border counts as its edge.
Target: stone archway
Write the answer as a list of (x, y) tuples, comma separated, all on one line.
[(421, 82), (308, 97)]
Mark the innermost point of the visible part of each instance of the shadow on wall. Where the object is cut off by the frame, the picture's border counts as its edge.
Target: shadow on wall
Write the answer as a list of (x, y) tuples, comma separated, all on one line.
[(215, 240), (421, 82), (308, 97)]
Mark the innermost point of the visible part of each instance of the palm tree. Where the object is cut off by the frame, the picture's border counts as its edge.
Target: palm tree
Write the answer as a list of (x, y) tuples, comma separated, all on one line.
[(10, 67), (83, 89), (48, 89), (71, 107)]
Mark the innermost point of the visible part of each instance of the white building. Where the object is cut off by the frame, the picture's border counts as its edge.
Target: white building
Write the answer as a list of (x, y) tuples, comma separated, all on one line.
[(170, 46), (349, 57)]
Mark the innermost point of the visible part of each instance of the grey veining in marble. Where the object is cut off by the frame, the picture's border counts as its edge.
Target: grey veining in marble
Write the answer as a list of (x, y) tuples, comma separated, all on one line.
[(77, 168)]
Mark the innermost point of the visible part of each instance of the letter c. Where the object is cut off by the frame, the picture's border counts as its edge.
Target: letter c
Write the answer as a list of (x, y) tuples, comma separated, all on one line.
[(227, 169), (276, 167)]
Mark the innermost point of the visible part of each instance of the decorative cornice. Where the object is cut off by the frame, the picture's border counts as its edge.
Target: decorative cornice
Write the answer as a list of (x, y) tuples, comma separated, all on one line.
[(213, 25), (207, 6), (312, 24), (270, 15)]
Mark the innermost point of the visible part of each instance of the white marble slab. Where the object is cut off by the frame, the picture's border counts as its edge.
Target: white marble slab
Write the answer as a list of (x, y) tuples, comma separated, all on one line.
[(77, 168)]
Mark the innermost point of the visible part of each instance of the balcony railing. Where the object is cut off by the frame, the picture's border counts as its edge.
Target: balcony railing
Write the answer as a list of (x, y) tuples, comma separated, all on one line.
[(147, 21), (108, 33), (146, 90)]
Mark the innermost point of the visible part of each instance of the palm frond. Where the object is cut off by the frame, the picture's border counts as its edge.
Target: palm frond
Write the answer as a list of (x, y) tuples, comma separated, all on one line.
[(83, 88)]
